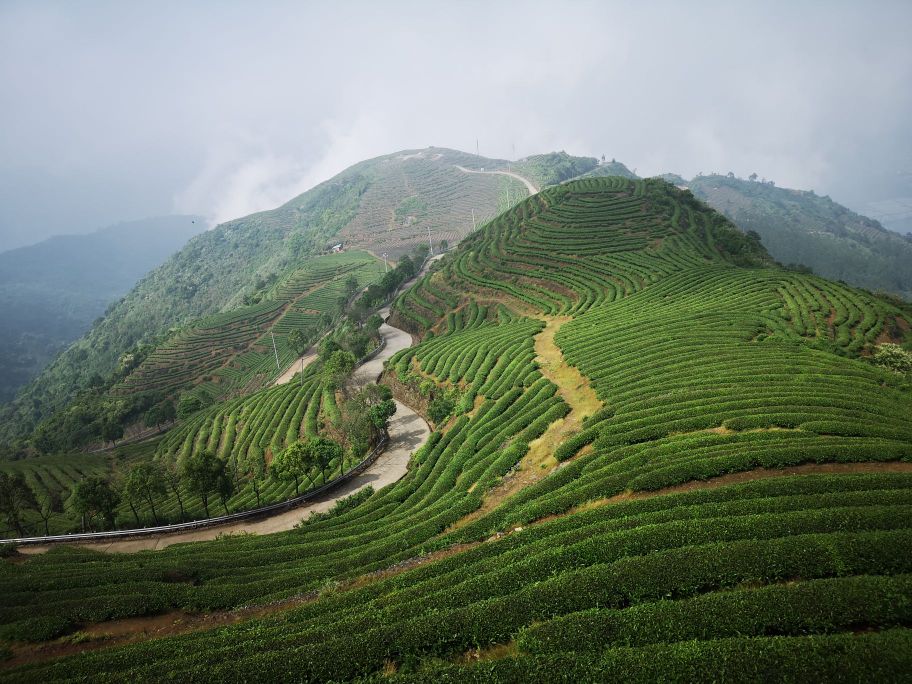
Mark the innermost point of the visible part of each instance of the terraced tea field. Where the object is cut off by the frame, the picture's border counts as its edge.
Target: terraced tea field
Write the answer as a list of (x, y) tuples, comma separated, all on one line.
[(244, 432), (737, 506), (232, 353)]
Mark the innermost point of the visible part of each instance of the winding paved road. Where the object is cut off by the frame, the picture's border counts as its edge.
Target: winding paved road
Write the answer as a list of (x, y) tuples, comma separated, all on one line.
[(525, 181), (407, 431)]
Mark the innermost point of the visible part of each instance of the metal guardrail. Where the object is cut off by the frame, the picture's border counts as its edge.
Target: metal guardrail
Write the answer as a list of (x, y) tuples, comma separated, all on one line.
[(371, 355), (209, 522)]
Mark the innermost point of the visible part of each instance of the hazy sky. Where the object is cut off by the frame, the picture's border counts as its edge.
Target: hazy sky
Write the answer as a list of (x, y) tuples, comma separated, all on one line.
[(121, 110)]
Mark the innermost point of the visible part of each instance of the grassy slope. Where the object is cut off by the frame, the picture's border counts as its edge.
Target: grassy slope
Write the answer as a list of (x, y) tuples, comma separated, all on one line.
[(708, 361)]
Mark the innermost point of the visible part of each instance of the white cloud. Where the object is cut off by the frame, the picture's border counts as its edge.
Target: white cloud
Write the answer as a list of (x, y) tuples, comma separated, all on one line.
[(229, 109)]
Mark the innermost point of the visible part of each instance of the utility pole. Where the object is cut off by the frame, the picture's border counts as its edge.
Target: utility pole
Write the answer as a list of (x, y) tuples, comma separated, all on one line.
[(385, 263), (278, 367), (473, 219), (430, 244), (476, 148)]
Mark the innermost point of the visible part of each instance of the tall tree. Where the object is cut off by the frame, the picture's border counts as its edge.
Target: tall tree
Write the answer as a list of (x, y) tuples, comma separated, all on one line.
[(366, 417), (111, 431), (292, 463), (351, 285), (381, 413), (174, 479), (50, 503), (129, 491), (257, 479), (163, 412), (93, 498), (145, 482), (372, 325), (323, 452), (299, 344), (224, 486), (203, 473), (338, 367), (16, 497)]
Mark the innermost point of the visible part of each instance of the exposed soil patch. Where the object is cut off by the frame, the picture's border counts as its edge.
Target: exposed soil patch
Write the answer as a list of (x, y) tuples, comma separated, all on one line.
[(893, 331), (573, 387), (120, 632)]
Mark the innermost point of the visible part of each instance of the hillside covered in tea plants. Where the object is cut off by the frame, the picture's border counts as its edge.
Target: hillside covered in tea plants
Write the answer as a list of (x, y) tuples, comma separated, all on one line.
[(381, 205), (656, 455)]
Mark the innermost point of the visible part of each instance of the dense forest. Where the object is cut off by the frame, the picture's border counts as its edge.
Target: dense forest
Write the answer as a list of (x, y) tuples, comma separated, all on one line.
[(51, 292), (801, 227)]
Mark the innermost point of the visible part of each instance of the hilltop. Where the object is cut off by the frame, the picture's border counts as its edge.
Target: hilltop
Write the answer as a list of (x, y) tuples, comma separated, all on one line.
[(655, 454), (382, 205), (385, 206), (799, 228), (52, 291)]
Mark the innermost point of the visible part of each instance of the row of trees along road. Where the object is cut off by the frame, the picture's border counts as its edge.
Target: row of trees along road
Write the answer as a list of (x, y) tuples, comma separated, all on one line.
[(94, 501)]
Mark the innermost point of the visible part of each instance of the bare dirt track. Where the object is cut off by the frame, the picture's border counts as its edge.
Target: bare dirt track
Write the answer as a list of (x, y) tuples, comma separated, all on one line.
[(298, 365), (574, 388)]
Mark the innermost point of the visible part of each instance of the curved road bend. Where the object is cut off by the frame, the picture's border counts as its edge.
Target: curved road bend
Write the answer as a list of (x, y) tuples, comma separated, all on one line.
[(407, 431), (525, 181)]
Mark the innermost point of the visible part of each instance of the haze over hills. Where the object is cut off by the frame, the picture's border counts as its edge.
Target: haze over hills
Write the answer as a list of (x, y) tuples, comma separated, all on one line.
[(380, 205), (653, 449), (800, 227), (407, 414), (386, 205), (52, 291)]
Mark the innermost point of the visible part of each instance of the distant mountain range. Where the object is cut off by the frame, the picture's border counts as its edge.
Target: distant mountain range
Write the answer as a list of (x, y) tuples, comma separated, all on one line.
[(801, 227), (52, 291)]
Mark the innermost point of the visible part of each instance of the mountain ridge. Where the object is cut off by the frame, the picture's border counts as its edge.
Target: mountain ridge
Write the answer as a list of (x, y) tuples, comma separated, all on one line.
[(382, 205)]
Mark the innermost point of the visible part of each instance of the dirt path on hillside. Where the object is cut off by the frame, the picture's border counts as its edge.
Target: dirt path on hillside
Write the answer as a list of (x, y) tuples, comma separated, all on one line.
[(525, 181), (408, 431), (574, 388), (296, 367)]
